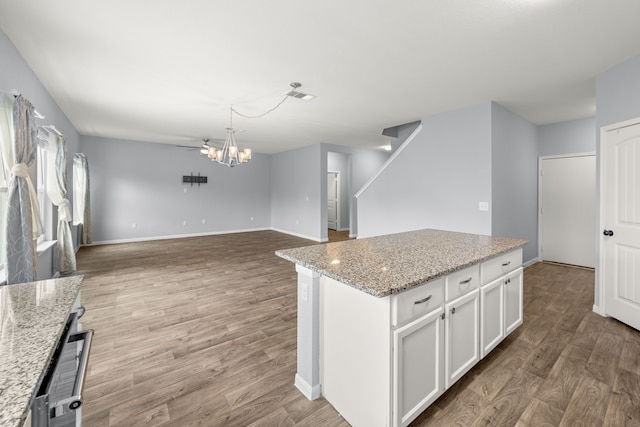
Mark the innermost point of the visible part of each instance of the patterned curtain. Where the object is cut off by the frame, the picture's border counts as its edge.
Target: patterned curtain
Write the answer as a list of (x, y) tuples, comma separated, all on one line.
[(57, 191), (23, 223), (82, 197)]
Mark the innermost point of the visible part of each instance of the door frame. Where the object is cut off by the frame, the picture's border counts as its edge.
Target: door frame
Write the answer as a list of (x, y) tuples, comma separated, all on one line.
[(540, 159), (338, 228), (599, 304)]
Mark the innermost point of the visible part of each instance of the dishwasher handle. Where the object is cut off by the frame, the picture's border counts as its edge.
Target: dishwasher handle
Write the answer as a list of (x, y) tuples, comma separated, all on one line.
[(73, 402)]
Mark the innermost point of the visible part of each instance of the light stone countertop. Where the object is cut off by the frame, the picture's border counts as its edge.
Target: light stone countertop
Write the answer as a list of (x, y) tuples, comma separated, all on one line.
[(32, 318), (389, 264)]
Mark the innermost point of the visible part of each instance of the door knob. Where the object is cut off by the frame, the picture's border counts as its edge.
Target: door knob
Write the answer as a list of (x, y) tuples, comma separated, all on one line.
[(608, 233)]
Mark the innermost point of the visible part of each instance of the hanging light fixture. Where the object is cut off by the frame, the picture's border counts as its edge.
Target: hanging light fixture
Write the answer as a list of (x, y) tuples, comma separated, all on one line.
[(230, 155)]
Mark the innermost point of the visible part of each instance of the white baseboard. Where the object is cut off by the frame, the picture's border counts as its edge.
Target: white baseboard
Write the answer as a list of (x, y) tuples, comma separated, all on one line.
[(174, 236), (309, 392), (353, 236), (304, 236), (598, 310)]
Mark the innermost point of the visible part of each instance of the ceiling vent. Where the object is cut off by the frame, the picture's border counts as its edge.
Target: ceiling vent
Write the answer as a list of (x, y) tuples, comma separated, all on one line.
[(300, 95)]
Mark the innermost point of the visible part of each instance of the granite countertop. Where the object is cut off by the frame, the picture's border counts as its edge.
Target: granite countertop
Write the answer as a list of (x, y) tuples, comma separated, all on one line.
[(389, 264), (32, 317)]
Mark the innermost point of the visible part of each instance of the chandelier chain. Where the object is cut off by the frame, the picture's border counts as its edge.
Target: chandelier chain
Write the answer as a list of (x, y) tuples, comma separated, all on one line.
[(257, 116)]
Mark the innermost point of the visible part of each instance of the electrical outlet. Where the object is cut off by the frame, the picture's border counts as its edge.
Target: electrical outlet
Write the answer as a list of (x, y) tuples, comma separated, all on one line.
[(304, 291), (204, 221), (251, 218), (483, 206), (134, 225), (185, 190), (184, 223)]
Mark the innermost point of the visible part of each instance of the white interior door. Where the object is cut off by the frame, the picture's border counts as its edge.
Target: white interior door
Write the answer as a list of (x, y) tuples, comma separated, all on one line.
[(333, 188), (567, 210), (620, 249)]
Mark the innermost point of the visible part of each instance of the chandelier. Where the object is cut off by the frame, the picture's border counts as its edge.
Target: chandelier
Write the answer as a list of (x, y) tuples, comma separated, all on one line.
[(230, 155)]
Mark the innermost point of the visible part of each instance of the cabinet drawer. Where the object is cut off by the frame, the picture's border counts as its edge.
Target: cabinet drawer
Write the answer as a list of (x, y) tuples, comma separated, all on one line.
[(415, 302), (460, 282), (500, 265)]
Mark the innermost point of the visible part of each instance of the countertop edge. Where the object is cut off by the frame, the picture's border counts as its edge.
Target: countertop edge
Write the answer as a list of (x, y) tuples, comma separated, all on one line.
[(400, 288)]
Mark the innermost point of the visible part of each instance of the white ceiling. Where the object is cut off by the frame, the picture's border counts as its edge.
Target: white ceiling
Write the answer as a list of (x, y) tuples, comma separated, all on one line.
[(168, 70)]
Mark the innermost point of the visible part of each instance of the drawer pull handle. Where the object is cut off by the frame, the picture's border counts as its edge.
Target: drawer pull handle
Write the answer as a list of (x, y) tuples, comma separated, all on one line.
[(464, 282), (423, 300), (506, 264)]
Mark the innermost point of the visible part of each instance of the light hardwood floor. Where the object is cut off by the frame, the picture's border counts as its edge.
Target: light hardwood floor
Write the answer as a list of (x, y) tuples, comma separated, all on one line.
[(202, 331)]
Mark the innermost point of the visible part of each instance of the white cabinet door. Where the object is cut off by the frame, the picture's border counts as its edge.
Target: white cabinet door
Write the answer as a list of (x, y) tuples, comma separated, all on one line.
[(491, 316), (513, 301), (462, 342), (418, 366)]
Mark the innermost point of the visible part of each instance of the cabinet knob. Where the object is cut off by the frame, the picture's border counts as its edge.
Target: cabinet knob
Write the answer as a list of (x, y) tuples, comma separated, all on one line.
[(453, 310), (608, 233)]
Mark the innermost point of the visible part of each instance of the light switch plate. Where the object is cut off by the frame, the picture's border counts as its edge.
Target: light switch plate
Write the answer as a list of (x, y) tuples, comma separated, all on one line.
[(483, 206)]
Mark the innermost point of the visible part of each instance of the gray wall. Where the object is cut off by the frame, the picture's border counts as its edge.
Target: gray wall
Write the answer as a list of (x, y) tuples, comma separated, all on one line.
[(571, 137), (437, 180), (514, 179), (15, 73), (296, 196), (141, 183), (364, 163), (339, 162), (617, 100)]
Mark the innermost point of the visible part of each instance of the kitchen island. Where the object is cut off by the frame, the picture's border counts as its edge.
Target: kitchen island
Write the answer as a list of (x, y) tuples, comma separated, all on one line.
[(387, 324), (32, 318)]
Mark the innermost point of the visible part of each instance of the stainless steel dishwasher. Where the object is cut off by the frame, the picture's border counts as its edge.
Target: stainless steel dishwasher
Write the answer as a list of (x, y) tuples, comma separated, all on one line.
[(58, 399)]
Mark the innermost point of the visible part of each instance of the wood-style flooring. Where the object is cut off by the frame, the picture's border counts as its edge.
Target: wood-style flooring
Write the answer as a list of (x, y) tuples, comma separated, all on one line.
[(202, 332)]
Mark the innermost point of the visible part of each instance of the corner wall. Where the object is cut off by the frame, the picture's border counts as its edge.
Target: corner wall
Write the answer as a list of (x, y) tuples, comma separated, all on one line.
[(296, 192), (141, 183), (437, 180), (514, 179), (617, 100), (15, 73), (571, 137)]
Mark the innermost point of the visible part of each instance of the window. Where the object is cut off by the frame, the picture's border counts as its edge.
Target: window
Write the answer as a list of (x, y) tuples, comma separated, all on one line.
[(3, 212), (44, 204)]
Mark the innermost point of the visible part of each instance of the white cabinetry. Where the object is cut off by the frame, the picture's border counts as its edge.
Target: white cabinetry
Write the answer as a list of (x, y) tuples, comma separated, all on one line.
[(513, 301), (385, 360), (418, 350), (461, 325), (500, 299), (492, 319), (417, 366)]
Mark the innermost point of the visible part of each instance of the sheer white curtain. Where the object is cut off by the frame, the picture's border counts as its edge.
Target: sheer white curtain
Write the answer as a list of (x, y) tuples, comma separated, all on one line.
[(82, 197), (57, 191), (23, 222)]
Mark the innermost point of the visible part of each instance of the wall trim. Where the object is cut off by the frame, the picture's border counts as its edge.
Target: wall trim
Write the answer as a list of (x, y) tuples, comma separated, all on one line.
[(174, 236), (386, 164), (304, 236), (598, 310)]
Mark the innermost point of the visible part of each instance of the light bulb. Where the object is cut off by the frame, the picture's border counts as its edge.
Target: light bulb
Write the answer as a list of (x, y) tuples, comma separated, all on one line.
[(247, 153)]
